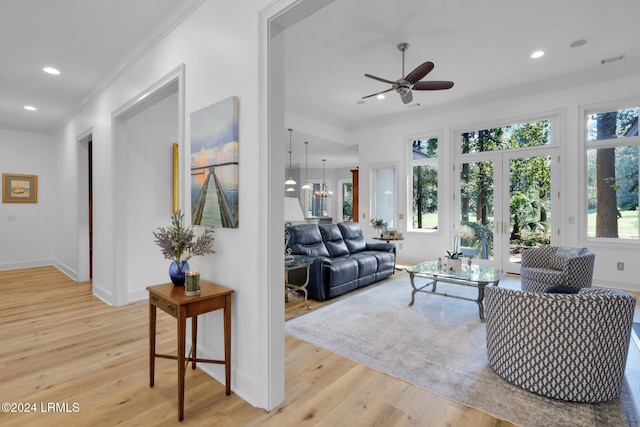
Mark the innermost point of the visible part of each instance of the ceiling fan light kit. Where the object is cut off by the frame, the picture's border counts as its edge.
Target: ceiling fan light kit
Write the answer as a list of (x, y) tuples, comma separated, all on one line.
[(412, 81)]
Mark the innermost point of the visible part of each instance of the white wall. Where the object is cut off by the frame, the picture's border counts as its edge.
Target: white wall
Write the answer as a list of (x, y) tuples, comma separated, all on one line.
[(149, 141), (26, 229), (378, 138), (218, 44)]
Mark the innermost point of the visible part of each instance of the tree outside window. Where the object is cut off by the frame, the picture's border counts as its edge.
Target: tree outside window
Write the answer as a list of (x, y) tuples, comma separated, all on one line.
[(424, 183), (612, 174)]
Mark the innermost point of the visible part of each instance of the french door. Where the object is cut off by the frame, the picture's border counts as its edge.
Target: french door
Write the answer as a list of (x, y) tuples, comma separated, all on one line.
[(507, 199)]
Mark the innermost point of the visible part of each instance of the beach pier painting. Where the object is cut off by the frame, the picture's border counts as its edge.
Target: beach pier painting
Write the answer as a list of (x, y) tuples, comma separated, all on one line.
[(214, 165)]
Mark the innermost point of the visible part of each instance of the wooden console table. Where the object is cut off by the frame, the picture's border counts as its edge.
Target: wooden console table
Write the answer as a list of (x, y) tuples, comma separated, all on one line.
[(389, 239), (171, 299)]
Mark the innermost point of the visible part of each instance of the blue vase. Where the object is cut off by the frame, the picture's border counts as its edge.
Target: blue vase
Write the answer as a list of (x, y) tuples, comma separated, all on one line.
[(177, 272)]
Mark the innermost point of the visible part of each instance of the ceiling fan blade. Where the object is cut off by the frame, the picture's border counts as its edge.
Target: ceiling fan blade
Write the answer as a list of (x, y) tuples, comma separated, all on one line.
[(433, 85), (407, 97), (421, 71), (380, 79), (377, 93)]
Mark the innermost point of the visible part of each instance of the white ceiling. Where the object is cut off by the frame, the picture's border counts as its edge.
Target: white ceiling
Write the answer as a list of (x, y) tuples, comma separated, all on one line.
[(483, 47), (87, 40)]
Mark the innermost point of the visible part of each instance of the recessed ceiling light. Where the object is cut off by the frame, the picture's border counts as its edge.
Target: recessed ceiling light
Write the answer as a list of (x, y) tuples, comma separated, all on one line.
[(537, 54), (51, 70), (30, 108), (381, 96), (578, 43)]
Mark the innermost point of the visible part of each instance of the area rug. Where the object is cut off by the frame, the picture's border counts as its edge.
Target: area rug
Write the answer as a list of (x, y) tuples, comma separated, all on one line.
[(439, 343)]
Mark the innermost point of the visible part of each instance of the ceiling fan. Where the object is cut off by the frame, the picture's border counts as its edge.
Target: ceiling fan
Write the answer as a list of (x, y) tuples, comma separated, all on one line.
[(405, 85)]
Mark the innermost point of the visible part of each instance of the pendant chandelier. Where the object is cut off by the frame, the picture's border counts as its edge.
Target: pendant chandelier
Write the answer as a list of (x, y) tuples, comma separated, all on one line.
[(323, 193), (306, 185), (290, 181)]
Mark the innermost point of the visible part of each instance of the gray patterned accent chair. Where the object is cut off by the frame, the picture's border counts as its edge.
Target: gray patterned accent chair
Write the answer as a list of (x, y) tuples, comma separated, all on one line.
[(571, 347), (547, 266)]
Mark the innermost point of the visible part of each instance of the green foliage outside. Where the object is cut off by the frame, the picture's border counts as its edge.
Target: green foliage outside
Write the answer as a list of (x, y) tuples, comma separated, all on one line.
[(529, 181), (627, 224), (347, 201)]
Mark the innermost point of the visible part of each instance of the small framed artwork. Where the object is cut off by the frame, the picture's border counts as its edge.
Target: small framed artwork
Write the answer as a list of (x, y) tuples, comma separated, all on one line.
[(19, 188)]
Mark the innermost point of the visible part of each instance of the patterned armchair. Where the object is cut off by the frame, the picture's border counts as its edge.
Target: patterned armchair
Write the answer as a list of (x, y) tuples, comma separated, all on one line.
[(546, 266), (566, 346)]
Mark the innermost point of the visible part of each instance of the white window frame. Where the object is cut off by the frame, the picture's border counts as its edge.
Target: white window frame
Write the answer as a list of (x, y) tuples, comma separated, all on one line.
[(584, 147), (411, 162)]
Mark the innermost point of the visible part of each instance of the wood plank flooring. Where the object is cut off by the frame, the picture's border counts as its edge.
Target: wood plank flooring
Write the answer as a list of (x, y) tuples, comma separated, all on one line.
[(63, 347)]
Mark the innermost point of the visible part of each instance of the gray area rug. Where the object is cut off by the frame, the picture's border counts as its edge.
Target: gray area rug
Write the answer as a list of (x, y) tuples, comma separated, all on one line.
[(440, 344)]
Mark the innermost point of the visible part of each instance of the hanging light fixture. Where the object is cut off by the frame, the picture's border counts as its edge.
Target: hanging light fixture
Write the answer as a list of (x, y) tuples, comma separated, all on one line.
[(290, 181), (323, 193), (306, 185)]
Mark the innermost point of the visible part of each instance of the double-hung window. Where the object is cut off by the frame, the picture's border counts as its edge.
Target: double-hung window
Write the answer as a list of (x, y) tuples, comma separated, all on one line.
[(612, 173)]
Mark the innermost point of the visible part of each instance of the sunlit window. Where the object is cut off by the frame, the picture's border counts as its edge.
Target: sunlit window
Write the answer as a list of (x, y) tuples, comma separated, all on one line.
[(612, 174), (424, 183)]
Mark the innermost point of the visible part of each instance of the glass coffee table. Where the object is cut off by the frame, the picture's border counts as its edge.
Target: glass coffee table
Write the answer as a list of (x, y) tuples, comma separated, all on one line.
[(475, 276)]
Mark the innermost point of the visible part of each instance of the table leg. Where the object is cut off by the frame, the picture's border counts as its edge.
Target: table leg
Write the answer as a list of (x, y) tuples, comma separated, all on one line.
[(182, 325), (480, 300), (194, 340), (416, 289), (227, 344), (152, 343)]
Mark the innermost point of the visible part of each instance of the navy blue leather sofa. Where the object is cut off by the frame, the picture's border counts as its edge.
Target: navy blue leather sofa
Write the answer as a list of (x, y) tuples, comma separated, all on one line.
[(344, 260)]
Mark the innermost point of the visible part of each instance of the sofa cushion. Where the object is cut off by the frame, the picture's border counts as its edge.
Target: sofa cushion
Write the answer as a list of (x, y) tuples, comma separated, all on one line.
[(386, 260), (307, 240), (333, 240), (341, 275), (367, 264), (353, 238)]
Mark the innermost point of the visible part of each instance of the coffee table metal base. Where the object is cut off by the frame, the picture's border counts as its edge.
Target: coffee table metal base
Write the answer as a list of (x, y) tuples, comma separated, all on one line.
[(434, 282)]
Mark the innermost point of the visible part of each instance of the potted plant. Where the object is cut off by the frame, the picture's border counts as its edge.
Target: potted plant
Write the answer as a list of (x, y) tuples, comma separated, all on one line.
[(454, 256), (178, 243), (379, 224)]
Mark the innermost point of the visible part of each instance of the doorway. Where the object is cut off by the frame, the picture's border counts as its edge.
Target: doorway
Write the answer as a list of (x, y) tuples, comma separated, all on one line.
[(506, 199), (507, 179)]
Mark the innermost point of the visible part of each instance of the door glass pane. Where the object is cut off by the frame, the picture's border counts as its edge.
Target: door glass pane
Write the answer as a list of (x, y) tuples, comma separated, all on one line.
[(529, 204), (476, 206)]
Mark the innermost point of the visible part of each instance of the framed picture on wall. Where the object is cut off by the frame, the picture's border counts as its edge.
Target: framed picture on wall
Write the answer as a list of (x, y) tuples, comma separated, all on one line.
[(19, 188), (214, 164)]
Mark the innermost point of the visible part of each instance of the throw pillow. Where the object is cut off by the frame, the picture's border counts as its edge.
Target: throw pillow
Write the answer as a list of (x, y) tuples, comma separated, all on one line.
[(562, 289), (569, 251)]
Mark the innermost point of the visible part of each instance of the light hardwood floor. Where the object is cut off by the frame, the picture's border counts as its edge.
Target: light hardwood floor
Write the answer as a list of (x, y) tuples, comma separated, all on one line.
[(61, 345)]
